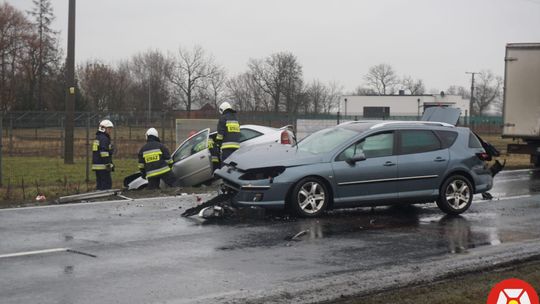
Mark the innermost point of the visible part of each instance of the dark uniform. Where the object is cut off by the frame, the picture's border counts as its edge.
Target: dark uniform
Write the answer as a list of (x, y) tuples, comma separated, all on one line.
[(228, 133), (102, 160), (214, 152), (155, 163)]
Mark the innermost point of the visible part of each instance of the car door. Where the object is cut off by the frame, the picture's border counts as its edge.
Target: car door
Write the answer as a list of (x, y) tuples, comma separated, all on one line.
[(372, 179), (192, 162), (422, 162)]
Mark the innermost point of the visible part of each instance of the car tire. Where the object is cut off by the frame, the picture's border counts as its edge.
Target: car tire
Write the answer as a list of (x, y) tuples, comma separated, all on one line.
[(310, 197), (455, 195)]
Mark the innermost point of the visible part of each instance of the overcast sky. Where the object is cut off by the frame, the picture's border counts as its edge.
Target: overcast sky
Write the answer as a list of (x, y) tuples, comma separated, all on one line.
[(335, 40)]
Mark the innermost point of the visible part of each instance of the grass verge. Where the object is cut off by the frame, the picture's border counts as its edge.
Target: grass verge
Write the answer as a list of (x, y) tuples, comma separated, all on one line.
[(465, 289), (24, 177)]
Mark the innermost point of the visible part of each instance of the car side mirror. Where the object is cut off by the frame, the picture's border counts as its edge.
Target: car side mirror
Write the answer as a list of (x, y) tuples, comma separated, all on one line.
[(356, 158)]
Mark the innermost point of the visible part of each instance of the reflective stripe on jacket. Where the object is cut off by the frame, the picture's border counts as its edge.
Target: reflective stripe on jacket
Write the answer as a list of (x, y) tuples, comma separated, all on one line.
[(154, 158), (102, 152)]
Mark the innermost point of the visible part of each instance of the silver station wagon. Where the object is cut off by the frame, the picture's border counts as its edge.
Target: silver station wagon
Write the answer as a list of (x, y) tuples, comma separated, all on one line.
[(363, 163)]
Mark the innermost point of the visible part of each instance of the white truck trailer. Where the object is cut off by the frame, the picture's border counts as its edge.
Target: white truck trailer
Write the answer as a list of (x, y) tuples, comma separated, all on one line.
[(521, 110)]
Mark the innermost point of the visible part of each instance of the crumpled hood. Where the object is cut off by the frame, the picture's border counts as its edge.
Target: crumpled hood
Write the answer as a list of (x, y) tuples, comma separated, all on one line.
[(269, 155)]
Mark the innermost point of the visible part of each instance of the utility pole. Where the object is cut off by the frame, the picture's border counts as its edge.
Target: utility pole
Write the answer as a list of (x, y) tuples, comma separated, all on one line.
[(471, 102), (70, 87)]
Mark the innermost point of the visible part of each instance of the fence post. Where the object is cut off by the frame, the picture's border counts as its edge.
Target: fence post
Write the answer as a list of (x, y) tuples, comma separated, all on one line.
[(163, 126), (1, 135), (87, 147), (62, 137), (10, 135)]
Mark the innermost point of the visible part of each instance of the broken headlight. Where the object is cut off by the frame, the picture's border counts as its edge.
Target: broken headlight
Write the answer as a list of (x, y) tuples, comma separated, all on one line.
[(262, 173)]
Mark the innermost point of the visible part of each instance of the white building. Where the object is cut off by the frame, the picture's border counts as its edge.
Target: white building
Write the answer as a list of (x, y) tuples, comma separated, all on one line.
[(379, 106)]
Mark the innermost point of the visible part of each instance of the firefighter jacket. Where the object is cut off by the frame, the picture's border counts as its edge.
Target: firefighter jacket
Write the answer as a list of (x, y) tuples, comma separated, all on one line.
[(102, 152), (154, 158), (228, 131)]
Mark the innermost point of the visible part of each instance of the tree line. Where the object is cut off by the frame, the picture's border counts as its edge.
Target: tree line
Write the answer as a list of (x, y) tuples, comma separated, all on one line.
[(32, 77)]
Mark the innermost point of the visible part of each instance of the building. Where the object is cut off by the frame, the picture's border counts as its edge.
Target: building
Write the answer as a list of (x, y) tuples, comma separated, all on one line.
[(382, 106)]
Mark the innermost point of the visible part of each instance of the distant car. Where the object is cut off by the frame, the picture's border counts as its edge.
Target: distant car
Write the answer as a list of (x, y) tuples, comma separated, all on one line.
[(192, 163), (363, 163)]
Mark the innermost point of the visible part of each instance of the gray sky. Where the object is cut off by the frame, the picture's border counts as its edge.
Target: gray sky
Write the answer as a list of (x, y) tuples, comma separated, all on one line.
[(334, 40)]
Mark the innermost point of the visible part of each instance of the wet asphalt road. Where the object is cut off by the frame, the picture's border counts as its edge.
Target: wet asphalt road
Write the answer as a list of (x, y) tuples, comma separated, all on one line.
[(142, 251)]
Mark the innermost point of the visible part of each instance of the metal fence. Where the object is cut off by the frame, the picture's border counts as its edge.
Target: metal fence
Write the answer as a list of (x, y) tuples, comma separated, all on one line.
[(42, 133)]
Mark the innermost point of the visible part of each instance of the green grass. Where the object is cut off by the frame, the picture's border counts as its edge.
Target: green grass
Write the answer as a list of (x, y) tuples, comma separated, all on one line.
[(24, 177)]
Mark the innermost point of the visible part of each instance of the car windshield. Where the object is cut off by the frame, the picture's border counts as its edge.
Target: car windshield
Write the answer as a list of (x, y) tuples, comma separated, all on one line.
[(325, 140)]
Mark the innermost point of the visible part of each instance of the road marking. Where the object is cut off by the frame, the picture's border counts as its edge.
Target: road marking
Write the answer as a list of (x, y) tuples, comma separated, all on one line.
[(25, 253), (98, 203)]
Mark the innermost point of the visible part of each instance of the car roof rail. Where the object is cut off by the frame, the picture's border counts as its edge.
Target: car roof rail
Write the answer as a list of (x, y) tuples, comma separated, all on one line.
[(405, 122)]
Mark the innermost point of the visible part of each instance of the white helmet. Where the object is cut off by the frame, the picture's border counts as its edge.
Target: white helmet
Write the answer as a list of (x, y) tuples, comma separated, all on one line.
[(224, 106), (153, 132), (105, 124)]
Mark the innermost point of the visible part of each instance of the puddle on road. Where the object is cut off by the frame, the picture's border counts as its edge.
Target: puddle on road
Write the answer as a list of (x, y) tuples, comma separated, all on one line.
[(416, 227)]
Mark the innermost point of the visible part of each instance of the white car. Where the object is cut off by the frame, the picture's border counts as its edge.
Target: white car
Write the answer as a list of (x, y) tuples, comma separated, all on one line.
[(192, 160)]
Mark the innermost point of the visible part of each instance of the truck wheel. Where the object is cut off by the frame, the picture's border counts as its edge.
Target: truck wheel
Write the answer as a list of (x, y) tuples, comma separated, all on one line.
[(310, 197), (455, 195)]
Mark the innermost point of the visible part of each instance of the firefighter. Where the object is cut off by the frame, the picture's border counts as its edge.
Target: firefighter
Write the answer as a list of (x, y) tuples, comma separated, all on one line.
[(228, 131), (155, 161), (102, 155)]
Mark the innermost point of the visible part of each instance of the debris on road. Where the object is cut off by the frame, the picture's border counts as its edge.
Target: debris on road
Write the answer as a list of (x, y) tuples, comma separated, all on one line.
[(89, 195), (221, 200)]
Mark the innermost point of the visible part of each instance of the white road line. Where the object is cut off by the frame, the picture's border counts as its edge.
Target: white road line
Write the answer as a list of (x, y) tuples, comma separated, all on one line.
[(25, 253), (94, 203)]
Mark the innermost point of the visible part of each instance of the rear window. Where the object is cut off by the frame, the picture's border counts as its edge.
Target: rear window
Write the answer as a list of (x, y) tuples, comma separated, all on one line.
[(474, 142), (447, 137), (246, 134), (418, 141)]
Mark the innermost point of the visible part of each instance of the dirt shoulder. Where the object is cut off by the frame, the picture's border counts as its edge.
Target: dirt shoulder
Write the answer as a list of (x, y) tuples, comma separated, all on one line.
[(467, 288)]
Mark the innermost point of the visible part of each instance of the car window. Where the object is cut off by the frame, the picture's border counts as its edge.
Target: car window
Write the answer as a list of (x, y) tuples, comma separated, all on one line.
[(418, 141), (193, 145), (378, 145), (447, 137), (246, 134), (474, 142), (325, 140)]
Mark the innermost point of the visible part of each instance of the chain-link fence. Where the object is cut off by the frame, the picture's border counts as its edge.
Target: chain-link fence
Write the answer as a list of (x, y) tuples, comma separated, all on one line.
[(42, 133)]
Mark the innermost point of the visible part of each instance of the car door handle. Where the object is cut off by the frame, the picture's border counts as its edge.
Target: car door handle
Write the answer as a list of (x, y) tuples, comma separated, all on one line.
[(389, 163), (439, 159), (201, 157)]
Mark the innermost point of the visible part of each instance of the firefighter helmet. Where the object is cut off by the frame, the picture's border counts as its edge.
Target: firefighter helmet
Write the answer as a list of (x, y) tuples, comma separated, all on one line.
[(104, 124), (152, 132), (224, 106)]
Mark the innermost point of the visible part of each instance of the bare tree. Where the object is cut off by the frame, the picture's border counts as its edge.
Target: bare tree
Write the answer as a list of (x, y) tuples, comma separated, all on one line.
[(15, 31), (335, 90), (248, 95), (458, 90), (488, 92), (190, 70), (45, 52), (151, 71), (382, 78), (363, 91), (103, 87), (214, 87), (280, 76), (413, 86)]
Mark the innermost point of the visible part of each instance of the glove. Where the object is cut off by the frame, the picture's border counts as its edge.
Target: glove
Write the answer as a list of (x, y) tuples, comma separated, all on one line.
[(109, 167)]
